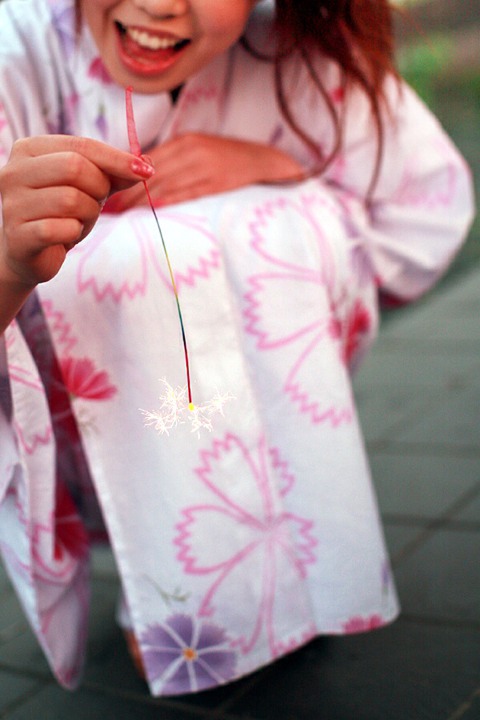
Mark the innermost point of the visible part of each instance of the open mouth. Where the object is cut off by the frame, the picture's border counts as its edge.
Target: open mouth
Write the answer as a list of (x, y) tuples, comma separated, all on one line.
[(148, 52)]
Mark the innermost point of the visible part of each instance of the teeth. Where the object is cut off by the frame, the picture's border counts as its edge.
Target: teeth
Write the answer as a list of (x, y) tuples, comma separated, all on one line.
[(151, 42)]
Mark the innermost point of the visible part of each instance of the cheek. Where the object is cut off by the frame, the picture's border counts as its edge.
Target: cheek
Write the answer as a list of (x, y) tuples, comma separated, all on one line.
[(94, 11), (96, 14), (95, 5), (226, 19)]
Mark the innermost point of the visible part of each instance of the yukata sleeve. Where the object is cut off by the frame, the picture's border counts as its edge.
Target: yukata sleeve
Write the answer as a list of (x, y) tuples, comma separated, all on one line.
[(421, 206), (42, 539)]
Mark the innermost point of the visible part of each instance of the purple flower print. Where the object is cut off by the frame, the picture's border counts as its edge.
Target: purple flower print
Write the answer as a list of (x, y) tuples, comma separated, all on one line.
[(63, 15), (184, 655), (64, 119), (68, 114), (101, 122)]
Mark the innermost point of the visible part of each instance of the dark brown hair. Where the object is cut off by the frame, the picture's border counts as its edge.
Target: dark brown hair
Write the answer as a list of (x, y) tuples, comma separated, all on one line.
[(357, 35)]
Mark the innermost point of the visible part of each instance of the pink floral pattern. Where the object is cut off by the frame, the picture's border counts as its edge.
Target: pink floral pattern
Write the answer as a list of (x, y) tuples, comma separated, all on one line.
[(98, 71), (71, 538), (53, 562), (271, 544), (3, 118), (414, 192), (3, 124), (359, 624), (357, 328), (38, 431), (81, 376), (60, 328), (84, 381), (205, 98), (310, 339), (138, 253)]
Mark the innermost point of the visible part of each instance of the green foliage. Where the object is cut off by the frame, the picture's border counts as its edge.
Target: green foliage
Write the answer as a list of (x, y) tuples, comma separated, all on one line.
[(423, 65)]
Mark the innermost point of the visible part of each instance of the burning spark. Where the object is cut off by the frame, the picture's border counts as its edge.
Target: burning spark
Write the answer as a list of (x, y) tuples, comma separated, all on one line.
[(175, 409)]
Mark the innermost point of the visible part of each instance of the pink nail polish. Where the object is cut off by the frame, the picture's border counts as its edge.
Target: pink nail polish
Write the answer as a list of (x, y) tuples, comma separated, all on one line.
[(142, 168)]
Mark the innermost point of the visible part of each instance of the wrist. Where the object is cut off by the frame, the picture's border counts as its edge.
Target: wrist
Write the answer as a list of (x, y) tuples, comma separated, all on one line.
[(11, 280), (9, 276), (13, 291), (281, 167)]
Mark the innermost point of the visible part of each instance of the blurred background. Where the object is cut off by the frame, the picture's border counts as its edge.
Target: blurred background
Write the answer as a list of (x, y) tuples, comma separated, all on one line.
[(419, 402), (439, 55)]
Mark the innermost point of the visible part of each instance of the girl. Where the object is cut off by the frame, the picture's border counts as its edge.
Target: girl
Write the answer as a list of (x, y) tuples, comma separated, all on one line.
[(310, 178)]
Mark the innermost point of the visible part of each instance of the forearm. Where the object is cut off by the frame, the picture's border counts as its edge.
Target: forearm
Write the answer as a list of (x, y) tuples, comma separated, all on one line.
[(13, 293)]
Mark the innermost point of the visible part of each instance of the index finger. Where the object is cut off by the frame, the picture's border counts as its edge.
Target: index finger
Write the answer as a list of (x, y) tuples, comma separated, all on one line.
[(115, 163)]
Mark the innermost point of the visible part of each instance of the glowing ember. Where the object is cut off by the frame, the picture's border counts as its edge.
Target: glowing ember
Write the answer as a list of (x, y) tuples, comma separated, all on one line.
[(175, 409)]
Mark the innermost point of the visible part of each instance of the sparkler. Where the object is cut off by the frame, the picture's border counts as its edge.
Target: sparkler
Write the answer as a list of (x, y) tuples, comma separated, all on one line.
[(174, 406), (135, 149), (175, 403)]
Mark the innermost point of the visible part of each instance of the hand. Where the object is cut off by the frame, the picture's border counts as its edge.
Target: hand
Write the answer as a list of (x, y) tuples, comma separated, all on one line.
[(53, 188), (194, 165)]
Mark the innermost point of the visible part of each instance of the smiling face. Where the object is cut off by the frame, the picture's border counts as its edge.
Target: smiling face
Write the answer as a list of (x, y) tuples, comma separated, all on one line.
[(155, 45)]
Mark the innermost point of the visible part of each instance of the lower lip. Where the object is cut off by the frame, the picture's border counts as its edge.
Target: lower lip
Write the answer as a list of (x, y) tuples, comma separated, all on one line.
[(147, 63)]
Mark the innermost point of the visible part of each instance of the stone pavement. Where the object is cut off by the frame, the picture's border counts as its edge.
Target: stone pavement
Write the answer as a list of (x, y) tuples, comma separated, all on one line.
[(419, 400)]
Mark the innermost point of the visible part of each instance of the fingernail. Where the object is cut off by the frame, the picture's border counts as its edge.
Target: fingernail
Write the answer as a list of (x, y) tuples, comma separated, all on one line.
[(142, 168)]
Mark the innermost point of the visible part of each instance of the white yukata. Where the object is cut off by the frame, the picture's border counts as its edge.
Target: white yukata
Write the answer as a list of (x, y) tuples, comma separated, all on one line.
[(238, 545)]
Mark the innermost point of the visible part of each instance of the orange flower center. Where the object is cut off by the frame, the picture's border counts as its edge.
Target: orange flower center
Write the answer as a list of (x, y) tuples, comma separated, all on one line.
[(189, 654)]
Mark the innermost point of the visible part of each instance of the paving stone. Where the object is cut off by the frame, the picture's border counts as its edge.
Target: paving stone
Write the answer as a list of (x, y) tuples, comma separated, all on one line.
[(383, 411), (109, 664), (438, 329), (53, 703), (4, 580), (453, 421), (421, 486), (103, 606), (394, 364), (404, 672), (452, 315), (470, 709), (14, 687), (103, 562), (470, 513), (23, 652), (12, 619), (400, 537), (442, 578)]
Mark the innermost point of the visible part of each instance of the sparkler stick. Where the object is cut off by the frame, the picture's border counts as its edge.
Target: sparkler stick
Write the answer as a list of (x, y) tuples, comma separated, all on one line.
[(173, 400), (135, 149)]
